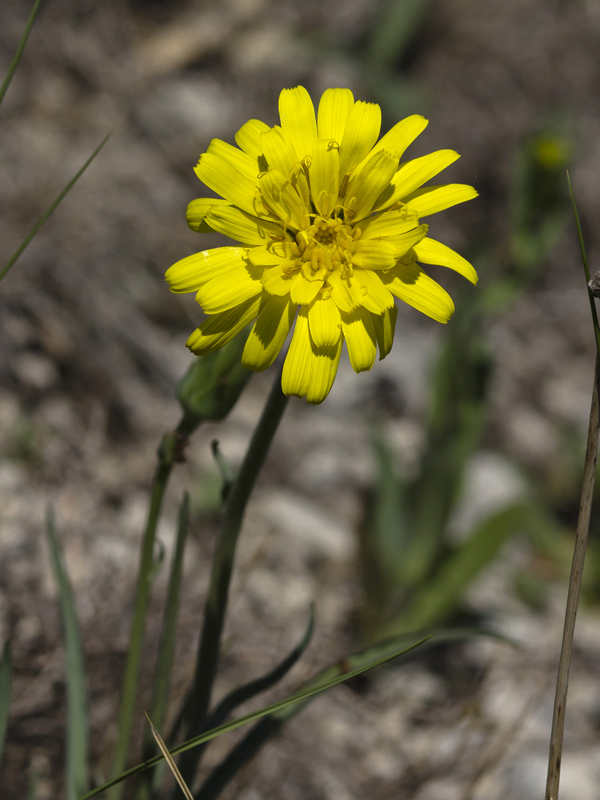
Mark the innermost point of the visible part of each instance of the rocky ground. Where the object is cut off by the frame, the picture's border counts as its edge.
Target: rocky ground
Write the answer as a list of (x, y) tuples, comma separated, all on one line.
[(92, 346)]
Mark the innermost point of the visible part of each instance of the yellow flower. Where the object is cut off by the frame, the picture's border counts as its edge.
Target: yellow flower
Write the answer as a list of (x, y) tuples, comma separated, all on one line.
[(328, 221)]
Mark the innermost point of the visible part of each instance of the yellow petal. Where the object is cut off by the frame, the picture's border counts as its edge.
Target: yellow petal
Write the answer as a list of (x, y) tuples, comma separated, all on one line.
[(304, 292), (279, 152), (283, 199), (365, 186), (296, 368), (248, 137), (324, 176), (189, 274), (221, 328), (402, 135), (270, 254), (227, 291), (243, 227), (405, 241), (377, 298), (334, 108), (432, 199), (224, 179), (324, 363), (324, 321), (197, 211), (361, 133), (428, 251), (269, 333), (276, 282), (346, 292), (244, 163), (297, 115), (384, 326), (390, 223), (374, 254), (415, 173), (360, 339), (414, 287)]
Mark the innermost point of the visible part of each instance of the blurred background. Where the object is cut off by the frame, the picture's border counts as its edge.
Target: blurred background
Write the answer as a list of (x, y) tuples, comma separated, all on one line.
[(440, 489)]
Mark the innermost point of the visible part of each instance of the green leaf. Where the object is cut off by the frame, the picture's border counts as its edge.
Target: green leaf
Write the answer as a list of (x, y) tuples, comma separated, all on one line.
[(77, 701), (439, 596), (54, 205), (17, 57), (250, 690), (343, 672), (269, 726), (5, 685)]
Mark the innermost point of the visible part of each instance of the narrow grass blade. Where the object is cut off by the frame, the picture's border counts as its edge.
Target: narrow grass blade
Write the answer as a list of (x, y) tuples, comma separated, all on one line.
[(166, 653), (166, 650), (343, 672), (5, 686), (51, 209), (250, 690), (169, 759), (77, 700), (17, 57)]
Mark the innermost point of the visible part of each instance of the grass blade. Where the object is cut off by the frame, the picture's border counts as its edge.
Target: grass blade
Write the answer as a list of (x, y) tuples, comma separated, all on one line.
[(5, 686), (166, 653), (390, 651), (169, 759), (250, 690), (51, 209), (77, 700), (17, 57), (166, 650)]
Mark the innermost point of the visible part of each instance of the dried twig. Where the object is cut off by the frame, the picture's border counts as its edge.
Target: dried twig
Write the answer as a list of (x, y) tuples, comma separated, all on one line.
[(169, 759), (583, 526)]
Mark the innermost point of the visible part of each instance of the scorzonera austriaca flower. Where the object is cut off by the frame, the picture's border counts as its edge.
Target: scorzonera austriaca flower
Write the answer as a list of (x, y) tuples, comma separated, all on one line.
[(330, 233)]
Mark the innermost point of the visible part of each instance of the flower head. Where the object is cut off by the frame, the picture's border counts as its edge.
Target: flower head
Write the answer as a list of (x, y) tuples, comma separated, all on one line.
[(330, 233)]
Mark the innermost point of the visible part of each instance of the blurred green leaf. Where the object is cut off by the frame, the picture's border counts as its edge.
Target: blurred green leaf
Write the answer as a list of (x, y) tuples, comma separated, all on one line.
[(77, 700), (439, 596), (343, 672), (396, 27), (48, 213), (5, 686), (459, 403), (17, 57)]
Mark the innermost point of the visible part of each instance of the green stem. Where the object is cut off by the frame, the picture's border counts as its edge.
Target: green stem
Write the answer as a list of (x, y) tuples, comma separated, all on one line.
[(222, 567), (169, 452)]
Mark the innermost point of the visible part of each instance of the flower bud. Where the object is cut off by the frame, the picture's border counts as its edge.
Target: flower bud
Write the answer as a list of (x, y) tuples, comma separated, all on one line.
[(212, 385)]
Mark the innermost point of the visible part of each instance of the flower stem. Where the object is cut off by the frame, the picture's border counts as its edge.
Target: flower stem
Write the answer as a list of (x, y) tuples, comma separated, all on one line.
[(583, 526), (169, 452), (215, 608)]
